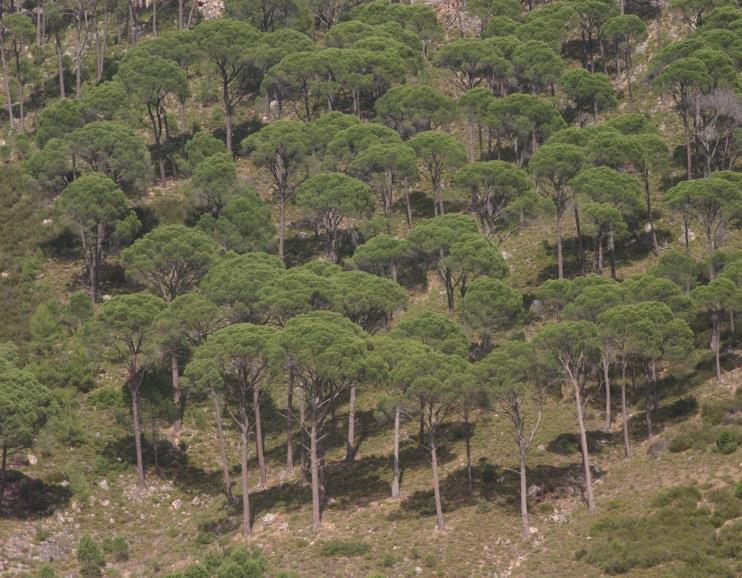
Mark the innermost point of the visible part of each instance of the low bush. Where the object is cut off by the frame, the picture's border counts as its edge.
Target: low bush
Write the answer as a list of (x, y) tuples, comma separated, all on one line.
[(343, 549), (117, 547), (90, 557), (680, 529)]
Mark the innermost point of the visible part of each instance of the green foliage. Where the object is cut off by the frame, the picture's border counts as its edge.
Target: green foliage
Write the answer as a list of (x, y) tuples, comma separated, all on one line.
[(89, 557), (117, 547), (343, 549), (677, 529), (170, 260)]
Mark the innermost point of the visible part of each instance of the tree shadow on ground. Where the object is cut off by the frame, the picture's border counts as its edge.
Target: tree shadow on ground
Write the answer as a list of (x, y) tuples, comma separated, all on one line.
[(27, 498), (493, 483)]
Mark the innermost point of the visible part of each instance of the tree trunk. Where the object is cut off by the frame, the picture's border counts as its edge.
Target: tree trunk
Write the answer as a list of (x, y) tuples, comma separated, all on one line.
[(612, 252), (350, 450), (648, 198), (688, 151), (180, 14), (3, 467), (137, 435), (302, 437), (624, 413), (467, 441), (585, 449), (155, 449), (580, 248), (408, 208), (290, 423), (648, 409), (222, 449), (259, 439), (395, 463), (60, 64), (281, 225), (607, 384), (246, 530), (314, 458), (524, 491), (227, 114), (716, 343), (560, 259), (436, 484), (177, 398), (154, 18), (6, 82)]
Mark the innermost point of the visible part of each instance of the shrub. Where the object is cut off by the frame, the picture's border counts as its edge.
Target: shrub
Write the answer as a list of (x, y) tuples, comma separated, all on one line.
[(726, 442), (681, 443), (483, 506), (723, 411), (242, 563), (676, 531), (117, 547), (343, 549), (195, 571), (89, 557), (108, 397), (46, 571)]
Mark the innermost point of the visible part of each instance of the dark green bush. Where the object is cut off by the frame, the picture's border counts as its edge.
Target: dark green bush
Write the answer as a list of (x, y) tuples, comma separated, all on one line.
[(677, 531), (90, 557), (726, 442), (108, 397), (681, 443), (343, 549)]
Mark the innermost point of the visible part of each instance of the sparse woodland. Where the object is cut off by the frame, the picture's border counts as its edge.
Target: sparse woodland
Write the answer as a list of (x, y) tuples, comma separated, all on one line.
[(350, 288)]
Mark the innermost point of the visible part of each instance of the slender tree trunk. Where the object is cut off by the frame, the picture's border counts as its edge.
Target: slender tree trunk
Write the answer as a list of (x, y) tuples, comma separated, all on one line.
[(648, 409), (222, 449), (612, 252), (154, 18), (560, 259), (3, 467), (21, 107), (648, 198), (281, 224), (302, 435), (6, 82), (585, 449), (436, 483), (227, 114), (316, 506), (624, 413), (60, 64), (350, 450), (716, 342), (177, 398), (155, 449), (137, 434), (408, 208), (421, 427), (395, 463), (467, 441), (259, 439), (290, 423), (607, 384), (688, 151), (180, 14), (524, 491), (246, 529), (580, 248)]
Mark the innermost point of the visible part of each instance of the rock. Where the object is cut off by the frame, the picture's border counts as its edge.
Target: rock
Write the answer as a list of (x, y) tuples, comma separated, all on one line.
[(691, 237), (196, 501), (537, 308), (541, 447), (105, 503), (32, 460), (47, 223), (103, 485), (269, 519), (283, 526), (658, 447), (418, 570), (558, 518), (533, 530), (535, 491), (176, 504), (647, 227), (50, 551)]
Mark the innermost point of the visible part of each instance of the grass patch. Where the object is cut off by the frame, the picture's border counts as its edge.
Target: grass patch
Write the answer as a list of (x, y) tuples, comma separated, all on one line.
[(343, 549)]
